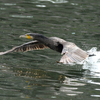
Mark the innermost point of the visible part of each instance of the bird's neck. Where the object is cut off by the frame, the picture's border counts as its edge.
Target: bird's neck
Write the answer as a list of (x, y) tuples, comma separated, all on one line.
[(43, 39)]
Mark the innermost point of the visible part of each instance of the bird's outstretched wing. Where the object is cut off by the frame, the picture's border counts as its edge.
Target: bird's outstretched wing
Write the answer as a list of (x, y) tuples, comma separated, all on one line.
[(72, 54), (33, 45)]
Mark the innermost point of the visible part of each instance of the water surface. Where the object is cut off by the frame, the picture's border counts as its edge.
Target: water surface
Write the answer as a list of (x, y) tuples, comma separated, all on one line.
[(35, 74)]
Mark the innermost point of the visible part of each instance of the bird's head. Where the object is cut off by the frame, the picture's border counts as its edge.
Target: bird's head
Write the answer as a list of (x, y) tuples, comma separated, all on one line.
[(29, 35)]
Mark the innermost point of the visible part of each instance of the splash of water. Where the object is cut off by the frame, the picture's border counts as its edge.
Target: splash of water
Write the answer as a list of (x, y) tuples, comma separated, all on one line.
[(93, 63)]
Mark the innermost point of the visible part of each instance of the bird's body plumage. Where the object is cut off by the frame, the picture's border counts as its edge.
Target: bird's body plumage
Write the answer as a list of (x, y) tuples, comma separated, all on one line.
[(71, 53)]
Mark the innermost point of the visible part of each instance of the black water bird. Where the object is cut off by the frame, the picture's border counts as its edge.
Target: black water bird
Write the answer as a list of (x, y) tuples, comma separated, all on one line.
[(71, 53)]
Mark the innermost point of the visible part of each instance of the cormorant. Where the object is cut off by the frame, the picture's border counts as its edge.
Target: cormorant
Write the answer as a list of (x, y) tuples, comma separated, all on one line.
[(71, 53)]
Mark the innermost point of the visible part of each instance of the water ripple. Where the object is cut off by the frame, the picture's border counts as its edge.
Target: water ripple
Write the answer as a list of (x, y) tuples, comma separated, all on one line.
[(40, 5), (2, 8), (95, 95), (9, 4), (56, 1), (21, 16)]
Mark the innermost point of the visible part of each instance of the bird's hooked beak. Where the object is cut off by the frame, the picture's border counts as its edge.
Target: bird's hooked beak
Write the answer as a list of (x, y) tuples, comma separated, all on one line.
[(26, 36)]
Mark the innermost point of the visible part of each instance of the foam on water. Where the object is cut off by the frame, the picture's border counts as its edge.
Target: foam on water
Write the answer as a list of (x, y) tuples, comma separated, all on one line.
[(92, 63)]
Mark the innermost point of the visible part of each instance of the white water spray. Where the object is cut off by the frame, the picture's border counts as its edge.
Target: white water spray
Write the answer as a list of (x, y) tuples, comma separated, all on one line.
[(93, 63)]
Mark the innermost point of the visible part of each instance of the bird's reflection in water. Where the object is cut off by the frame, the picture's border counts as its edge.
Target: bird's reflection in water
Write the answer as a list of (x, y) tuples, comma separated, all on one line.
[(51, 82)]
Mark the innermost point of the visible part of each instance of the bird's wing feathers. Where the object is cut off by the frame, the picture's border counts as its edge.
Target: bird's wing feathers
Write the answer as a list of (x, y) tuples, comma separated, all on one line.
[(72, 54), (33, 45)]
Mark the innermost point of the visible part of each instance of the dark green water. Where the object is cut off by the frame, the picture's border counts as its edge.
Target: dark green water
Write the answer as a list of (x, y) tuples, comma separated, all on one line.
[(35, 75)]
